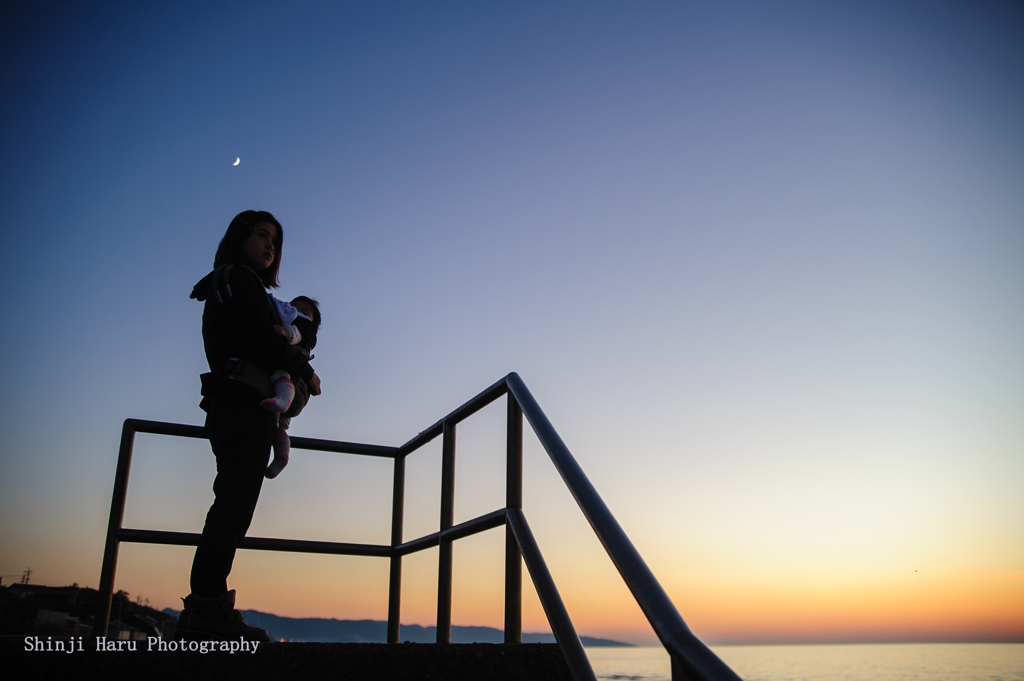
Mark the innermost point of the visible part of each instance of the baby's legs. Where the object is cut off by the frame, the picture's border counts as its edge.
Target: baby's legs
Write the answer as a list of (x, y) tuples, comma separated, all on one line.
[(285, 393), (282, 449)]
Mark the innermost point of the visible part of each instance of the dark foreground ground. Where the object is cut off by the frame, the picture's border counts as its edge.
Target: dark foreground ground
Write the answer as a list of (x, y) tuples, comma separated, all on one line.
[(319, 661)]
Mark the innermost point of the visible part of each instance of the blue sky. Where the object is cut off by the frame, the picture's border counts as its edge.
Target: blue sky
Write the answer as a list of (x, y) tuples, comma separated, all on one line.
[(760, 264)]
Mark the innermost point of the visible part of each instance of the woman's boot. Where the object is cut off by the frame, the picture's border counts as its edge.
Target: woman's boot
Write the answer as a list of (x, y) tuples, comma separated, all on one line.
[(215, 618)]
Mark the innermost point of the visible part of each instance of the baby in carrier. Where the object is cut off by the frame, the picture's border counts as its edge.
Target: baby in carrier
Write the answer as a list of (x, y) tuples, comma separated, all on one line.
[(300, 321)]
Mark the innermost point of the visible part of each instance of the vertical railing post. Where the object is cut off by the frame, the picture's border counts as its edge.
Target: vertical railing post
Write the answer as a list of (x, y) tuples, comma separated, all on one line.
[(513, 499), (117, 503), (395, 584), (444, 561)]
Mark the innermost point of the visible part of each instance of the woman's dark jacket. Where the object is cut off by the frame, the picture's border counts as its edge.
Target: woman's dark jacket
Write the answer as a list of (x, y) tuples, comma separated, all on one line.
[(238, 322)]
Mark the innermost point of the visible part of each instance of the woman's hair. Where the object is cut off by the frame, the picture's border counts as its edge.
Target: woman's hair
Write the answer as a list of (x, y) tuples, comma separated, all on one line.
[(313, 304), (230, 248)]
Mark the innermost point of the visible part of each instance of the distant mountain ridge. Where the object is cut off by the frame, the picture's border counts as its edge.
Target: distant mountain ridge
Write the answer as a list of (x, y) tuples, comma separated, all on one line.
[(316, 629)]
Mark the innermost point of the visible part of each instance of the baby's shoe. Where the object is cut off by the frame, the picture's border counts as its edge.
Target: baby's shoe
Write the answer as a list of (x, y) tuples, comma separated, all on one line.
[(282, 450)]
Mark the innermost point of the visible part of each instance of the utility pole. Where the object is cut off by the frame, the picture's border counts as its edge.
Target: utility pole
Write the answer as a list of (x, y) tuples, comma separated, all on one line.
[(26, 575)]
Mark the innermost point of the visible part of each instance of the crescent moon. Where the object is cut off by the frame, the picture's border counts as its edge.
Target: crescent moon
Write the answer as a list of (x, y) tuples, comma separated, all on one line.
[(237, 161)]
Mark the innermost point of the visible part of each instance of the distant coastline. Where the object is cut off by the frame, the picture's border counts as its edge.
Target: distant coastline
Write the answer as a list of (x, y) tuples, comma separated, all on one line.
[(316, 629)]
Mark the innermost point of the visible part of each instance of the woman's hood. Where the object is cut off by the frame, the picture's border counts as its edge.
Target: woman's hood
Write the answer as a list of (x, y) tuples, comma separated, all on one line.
[(202, 289)]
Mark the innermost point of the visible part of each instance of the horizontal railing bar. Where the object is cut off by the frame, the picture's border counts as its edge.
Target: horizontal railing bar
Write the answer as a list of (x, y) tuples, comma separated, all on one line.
[(161, 428), (427, 541), (305, 546), (313, 444), (668, 624), (558, 617), (158, 537), (466, 529), (482, 523), (339, 447), (256, 543), (466, 410)]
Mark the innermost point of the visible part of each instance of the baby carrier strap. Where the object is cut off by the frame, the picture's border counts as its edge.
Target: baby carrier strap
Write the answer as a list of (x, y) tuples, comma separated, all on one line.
[(220, 285), (247, 373), (234, 369), (220, 288), (216, 285)]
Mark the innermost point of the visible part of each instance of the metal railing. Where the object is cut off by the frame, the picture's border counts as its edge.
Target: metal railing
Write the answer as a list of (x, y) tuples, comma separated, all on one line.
[(691, 659)]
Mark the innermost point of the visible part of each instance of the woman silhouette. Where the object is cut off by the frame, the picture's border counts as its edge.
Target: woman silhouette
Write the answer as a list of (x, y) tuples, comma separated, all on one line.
[(242, 349)]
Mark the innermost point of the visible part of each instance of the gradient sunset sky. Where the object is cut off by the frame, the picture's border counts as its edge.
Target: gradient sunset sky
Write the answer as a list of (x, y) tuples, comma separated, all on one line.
[(762, 264)]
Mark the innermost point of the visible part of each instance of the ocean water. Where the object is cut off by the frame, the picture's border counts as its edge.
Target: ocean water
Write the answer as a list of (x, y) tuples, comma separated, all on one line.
[(882, 662)]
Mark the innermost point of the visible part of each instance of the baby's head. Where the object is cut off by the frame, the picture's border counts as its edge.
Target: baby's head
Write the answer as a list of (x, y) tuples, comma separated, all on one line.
[(308, 307)]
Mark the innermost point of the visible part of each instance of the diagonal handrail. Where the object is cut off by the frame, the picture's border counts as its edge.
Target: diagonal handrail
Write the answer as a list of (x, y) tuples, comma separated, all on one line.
[(686, 649), (554, 608)]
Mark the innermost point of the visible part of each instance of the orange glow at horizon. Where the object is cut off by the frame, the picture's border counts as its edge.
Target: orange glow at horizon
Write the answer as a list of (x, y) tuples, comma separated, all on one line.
[(933, 609)]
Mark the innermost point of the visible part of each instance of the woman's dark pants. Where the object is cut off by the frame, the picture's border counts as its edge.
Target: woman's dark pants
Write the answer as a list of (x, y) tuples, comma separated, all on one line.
[(240, 433)]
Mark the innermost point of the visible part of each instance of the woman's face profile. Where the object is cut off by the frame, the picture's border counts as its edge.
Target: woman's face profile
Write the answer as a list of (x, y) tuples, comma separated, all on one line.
[(258, 248)]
